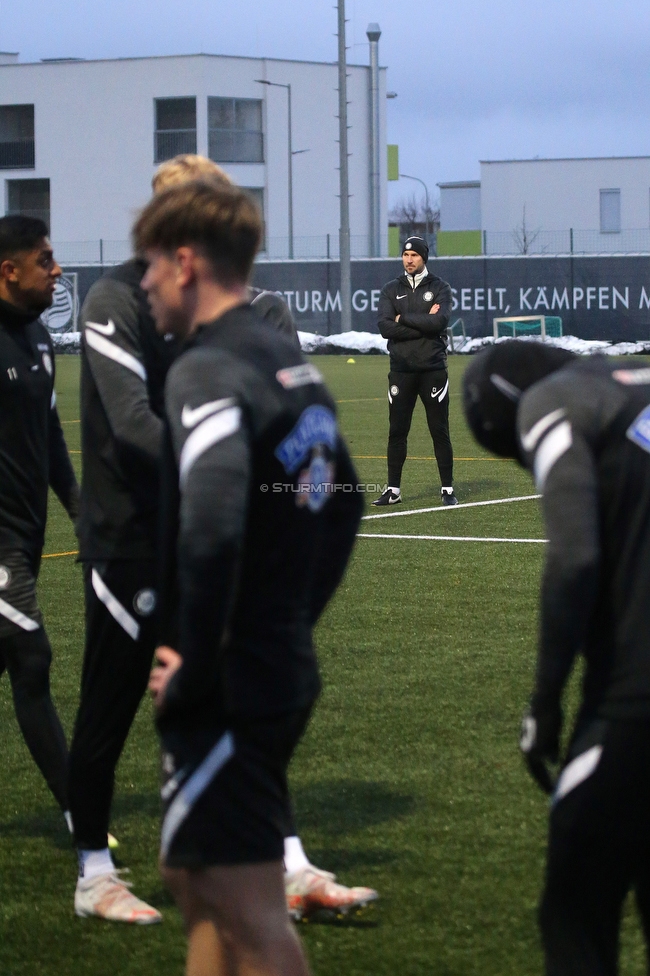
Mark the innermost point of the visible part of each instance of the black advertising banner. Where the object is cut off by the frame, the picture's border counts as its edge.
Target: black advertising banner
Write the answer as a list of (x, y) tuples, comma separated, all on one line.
[(596, 297)]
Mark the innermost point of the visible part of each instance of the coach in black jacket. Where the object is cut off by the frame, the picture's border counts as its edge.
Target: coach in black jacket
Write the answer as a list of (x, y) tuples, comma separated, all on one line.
[(414, 314)]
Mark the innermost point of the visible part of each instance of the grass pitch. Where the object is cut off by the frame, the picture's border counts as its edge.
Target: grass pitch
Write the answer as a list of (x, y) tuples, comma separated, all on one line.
[(409, 777)]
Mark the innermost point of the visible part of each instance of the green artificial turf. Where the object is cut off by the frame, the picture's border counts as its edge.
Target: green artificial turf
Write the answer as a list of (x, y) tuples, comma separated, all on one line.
[(409, 777)]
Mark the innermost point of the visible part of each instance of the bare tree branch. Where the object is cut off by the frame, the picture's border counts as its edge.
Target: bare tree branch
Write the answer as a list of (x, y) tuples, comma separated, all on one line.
[(525, 238), (412, 210)]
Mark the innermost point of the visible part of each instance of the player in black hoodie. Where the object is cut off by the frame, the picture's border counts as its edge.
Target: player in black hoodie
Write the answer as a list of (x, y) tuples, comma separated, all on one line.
[(582, 428), (33, 456)]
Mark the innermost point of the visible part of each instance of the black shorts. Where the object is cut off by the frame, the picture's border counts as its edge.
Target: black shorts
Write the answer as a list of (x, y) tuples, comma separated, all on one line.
[(226, 795), (19, 612)]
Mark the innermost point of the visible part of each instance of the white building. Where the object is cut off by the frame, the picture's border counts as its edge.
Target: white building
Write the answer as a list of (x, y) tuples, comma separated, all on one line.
[(562, 205), (80, 140)]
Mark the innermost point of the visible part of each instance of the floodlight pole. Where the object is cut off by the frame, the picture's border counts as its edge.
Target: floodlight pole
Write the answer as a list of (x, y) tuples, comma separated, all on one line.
[(277, 84), (344, 200), (373, 34), (403, 176)]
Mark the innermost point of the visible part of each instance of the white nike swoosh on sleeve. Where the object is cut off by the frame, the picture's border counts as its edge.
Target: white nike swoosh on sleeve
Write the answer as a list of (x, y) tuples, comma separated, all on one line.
[(400, 296), (190, 418), (107, 329), (112, 351), (530, 439)]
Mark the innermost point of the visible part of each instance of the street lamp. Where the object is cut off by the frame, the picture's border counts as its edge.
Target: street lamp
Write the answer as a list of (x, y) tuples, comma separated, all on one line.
[(277, 84), (403, 176)]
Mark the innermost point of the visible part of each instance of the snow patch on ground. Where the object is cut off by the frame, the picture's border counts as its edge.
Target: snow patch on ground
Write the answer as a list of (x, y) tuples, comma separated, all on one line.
[(360, 342), (363, 343), (66, 341), (366, 342)]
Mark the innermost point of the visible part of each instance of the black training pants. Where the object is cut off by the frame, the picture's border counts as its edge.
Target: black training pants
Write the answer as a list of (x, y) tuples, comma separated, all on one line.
[(120, 639), (26, 654), (403, 390), (599, 849)]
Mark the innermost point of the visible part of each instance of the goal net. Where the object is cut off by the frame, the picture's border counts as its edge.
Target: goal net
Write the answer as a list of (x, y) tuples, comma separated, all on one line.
[(528, 325)]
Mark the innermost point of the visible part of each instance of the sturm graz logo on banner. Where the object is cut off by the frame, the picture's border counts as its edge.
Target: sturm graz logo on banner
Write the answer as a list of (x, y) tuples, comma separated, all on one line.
[(61, 316)]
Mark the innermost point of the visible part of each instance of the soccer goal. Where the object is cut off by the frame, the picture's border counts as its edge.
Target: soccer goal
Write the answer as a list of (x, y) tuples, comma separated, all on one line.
[(457, 336), (528, 325)]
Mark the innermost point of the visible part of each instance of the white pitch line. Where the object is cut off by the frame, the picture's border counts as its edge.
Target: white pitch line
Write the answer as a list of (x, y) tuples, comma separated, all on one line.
[(452, 508), (441, 538)]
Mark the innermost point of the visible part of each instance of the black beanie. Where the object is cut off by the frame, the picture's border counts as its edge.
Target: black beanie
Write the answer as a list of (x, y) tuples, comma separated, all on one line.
[(419, 245), (493, 384)]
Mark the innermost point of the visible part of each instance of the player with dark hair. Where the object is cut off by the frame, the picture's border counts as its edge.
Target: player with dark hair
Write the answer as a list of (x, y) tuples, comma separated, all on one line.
[(255, 568), (124, 363), (413, 314), (33, 456), (582, 427)]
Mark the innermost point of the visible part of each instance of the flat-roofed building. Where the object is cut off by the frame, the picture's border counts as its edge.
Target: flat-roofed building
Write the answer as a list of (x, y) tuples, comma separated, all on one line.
[(80, 140)]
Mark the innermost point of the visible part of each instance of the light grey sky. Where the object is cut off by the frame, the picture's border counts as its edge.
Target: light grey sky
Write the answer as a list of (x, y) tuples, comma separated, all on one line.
[(476, 79)]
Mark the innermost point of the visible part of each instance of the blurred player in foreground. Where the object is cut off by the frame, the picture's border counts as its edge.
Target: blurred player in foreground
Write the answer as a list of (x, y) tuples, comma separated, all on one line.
[(582, 427), (124, 365), (254, 570), (33, 455)]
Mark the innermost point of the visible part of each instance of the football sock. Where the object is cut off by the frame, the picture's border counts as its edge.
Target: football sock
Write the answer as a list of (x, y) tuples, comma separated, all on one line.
[(395, 491), (68, 820), (447, 491), (93, 863), (294, 856)]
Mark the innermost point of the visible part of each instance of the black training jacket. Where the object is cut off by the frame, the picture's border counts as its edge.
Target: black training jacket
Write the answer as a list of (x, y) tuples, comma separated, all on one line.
[(124, 363), (585, 433), (418, 342), (33, 453), (266, 511)]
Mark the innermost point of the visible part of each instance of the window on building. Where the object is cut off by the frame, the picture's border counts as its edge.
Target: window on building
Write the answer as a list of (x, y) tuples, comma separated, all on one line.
[(257, 193), (30, 198), (610, 211), (235, 130), (16, 136), (175, 127)]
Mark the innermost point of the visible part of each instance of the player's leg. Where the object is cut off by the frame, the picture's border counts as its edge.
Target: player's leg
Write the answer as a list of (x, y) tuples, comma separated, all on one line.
[(207, 954), (27, 655), (117, 659), (247, 902), (434, 393), (594, 830), (642, 859), (226, 808), (402, 395)]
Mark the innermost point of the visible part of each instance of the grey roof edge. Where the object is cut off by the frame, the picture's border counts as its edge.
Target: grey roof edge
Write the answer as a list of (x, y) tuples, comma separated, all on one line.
[(159, 57), (560, 159)]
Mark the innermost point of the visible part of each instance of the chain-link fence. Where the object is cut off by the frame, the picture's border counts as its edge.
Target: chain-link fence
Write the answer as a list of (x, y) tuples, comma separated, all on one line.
[(570, 241), (103, 252)]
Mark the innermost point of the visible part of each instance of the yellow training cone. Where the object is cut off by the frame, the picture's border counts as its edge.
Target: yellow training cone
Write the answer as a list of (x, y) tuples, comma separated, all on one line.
[(351, 360)]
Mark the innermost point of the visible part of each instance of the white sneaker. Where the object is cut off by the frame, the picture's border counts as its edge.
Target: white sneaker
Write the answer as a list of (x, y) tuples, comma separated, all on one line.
[(108, 896), (311, 890)]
